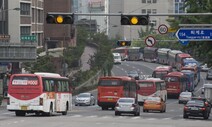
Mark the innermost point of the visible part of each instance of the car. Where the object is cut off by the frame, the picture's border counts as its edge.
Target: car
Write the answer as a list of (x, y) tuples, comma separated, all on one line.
[(154, 104), (204, 67), (127, 105), (204, 100), (196, 108), (184, 97), (209, 74), (133, 74), (85, 99)]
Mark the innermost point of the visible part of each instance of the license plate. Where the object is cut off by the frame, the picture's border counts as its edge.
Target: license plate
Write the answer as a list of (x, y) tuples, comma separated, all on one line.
[(110, 99), (194, 108), (23, 107)]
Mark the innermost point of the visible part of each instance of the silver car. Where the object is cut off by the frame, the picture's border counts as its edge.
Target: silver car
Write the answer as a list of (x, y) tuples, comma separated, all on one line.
[(85, 99), (184, 97), (127, 105)]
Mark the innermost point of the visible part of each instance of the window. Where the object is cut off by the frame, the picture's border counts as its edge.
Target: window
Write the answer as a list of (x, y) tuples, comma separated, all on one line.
[(143, 11), (143, 1), (25, 30), (25, 9), (149, 1), (154, 1), (154, 11), (149, 11)]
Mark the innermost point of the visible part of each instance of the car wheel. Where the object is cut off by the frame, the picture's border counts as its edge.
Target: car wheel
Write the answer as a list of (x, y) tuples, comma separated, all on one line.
[(144, 110), (117, 113), (185, 116), (206, 115)]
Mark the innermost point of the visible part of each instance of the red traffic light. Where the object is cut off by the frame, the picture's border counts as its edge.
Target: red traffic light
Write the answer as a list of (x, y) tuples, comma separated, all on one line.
[(59, 18), (123, 43), (134, 19)]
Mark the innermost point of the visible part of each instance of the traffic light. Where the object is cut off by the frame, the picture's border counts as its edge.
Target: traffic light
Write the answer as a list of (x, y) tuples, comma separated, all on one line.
[(134, 19), (60, 18), (123, 43)]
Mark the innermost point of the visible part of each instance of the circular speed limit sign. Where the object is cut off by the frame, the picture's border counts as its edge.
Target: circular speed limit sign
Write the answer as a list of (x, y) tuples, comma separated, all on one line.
[(150, 41), (162, 29)]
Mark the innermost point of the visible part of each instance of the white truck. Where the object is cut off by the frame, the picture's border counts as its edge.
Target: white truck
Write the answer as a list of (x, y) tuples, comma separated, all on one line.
[(208, 92)]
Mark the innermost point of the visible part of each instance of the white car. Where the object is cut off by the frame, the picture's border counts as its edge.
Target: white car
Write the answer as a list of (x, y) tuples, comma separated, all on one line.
[(184, 97), (85, 99), (204, 67)]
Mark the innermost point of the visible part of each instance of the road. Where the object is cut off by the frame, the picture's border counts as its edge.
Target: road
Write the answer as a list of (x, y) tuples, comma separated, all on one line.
[(88, 116)]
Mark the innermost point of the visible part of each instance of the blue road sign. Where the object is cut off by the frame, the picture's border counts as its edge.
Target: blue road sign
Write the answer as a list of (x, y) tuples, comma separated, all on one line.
[(184, 42), (195, 34)]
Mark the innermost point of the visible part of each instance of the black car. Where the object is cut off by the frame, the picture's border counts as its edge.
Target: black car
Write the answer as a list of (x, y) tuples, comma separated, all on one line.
[(133, 74), (196, 108)]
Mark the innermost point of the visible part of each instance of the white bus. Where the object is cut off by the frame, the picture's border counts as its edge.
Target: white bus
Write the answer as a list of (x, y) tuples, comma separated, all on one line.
[(39, 93)]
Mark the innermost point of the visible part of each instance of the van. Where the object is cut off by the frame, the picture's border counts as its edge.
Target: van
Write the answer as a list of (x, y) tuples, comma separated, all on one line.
[(117, 58)]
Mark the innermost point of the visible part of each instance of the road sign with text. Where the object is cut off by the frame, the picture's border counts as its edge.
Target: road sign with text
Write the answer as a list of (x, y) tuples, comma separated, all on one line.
[(194, 34), (28, 38)]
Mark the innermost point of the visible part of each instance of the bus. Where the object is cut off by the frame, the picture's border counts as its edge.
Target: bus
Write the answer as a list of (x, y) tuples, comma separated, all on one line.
[(176, 82), (123, 52), (151, 87), (162, 55), (40, 93), (116, 58), (172, 57), (191, 80), (161, 71), (111, 88), (179, 60), (135, 53), (150, 54)]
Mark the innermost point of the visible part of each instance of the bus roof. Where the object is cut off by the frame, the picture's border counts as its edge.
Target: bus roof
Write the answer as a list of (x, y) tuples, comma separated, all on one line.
[(175, 51), (163, 49), (178, 74), (184, 55), (46, 74), (150, 80), (163, 68), (117, 77)]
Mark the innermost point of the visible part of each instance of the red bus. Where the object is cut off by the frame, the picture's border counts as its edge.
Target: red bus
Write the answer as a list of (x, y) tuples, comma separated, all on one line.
[(162, 55), (39, 93), (111, 88), (151, 87), (172, 57), (179, 60), (161, 71), (123, 52), (150, 54), (176, 82)]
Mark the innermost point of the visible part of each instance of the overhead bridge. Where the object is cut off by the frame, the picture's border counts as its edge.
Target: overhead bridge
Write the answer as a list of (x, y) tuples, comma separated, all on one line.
[(18, 52)]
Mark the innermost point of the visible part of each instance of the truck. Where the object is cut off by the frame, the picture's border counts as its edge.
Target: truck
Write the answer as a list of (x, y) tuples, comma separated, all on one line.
[(208, 92)]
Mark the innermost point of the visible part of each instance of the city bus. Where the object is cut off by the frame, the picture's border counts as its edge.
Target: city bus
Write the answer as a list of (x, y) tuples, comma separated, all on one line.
[(135, 53), (162, 55), (123, 52), (161, 71), (151, 87), (191, 80), (176, 82), (40, 93), (172, 57), (179, 60), (150, 54), (111, 88)]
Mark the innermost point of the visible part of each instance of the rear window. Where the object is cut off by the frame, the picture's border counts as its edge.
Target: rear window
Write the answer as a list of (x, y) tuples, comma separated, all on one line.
[(111, 82), (195, 103), (25, 80), (171, 79), (126, 100)]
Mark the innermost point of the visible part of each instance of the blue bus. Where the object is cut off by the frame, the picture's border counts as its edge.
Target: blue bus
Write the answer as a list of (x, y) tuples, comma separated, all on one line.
[(191, 81)]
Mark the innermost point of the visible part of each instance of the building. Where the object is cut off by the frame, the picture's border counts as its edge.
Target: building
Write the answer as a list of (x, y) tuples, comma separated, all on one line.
[(139, 7), (58, 35)]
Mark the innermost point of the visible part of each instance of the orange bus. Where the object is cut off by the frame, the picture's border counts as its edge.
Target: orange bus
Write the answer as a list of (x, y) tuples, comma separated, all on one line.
[(161, 71), (39, 93), (176, 82), (111, 88)]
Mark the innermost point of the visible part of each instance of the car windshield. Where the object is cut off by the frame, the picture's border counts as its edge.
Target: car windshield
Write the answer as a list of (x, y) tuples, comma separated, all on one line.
[(126, 100), (195, 103), (84, 95)]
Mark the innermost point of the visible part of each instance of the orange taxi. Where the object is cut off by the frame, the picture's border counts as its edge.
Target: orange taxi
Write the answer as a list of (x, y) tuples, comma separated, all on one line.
[(154, 104)]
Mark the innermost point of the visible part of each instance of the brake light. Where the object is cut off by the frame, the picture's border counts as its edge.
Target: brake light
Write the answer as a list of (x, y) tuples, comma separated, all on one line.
[(133, 105), (185, 108), (158, 103), (117, 105), (41, 101), (203, 109)]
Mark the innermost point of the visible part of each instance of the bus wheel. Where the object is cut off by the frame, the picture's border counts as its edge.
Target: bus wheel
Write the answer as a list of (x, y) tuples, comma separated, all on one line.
[(20, 113), (65, 112)]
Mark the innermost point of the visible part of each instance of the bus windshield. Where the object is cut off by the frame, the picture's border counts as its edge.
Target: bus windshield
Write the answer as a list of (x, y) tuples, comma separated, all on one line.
[(112, 82)]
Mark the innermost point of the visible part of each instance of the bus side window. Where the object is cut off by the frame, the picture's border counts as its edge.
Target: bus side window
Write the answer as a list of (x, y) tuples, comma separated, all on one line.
[(52, 85), (59, 86)]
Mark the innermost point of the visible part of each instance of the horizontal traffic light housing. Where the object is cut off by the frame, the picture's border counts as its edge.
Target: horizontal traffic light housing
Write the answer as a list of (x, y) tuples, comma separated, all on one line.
[(134, 19), (123, 43), (60, 18)]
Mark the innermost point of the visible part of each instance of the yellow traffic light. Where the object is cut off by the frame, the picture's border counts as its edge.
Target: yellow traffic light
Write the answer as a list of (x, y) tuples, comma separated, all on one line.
[(60, 18), (134, 19), (123, 43)]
